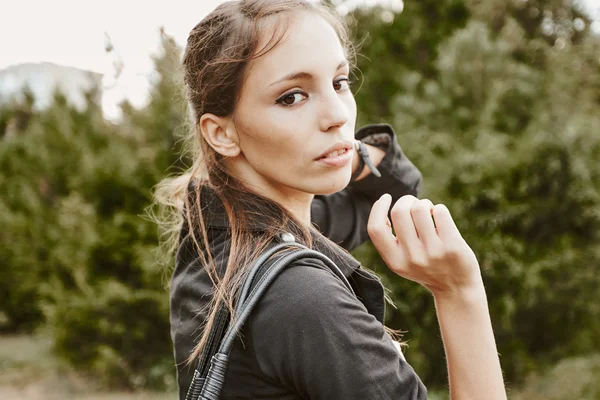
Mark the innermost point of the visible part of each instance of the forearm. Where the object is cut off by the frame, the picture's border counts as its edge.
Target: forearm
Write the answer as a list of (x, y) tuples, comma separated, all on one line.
[(473, 364)]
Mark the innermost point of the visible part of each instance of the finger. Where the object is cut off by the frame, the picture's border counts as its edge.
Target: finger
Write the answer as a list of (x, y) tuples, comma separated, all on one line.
[(378, 225), (429, 205), (421, 214), (446, 227), (403, 223)]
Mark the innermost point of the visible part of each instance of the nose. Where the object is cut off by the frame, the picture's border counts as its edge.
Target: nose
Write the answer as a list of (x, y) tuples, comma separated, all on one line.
[(334, 112)]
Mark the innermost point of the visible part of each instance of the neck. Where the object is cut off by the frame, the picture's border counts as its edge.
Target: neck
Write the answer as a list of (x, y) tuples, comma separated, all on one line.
[(298, 203)]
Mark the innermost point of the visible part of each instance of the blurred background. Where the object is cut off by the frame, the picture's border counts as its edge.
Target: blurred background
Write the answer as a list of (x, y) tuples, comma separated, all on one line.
[(496, 101)]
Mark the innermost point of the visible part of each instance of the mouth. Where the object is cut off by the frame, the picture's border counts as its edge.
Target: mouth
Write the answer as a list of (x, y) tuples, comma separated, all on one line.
[(336, 150), (334, 154), (337, 156)]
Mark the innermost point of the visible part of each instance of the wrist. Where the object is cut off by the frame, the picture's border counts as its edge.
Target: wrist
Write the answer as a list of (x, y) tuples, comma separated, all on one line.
[(368, 156), (358, 164), (463, 296)]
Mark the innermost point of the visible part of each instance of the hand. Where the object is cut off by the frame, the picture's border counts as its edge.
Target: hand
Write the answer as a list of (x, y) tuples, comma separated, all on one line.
[(435, 256), (355, 156), (376, 155)]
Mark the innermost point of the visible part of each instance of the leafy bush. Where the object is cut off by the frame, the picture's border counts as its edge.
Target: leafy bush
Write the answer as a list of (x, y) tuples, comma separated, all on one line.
[(75, 238), (119, 335), (516, 162)]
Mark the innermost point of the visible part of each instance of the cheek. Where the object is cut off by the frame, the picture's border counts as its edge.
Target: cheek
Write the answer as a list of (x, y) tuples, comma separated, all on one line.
[(351, 104), (276, 131), (272, 144)]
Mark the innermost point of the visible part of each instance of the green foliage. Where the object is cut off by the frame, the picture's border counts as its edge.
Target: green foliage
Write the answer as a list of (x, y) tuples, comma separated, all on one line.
[(77, 253), (511, 148), (387, 50), (119, 334)]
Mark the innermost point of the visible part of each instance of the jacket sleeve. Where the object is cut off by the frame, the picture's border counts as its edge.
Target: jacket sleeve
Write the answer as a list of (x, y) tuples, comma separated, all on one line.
[(342, 216), (188, 302), (190, 292), (312, 335)]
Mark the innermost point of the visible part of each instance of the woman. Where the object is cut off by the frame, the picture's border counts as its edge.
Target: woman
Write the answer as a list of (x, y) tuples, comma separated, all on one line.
[(268, 85)]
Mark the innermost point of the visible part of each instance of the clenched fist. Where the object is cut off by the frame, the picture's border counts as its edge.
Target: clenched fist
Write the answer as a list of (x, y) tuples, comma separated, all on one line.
[(426, 248)]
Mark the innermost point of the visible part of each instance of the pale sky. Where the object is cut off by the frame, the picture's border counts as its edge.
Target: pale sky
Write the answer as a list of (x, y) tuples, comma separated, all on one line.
[(72, 32)]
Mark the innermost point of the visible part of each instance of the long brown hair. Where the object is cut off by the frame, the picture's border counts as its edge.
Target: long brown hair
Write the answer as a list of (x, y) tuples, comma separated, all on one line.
[(216, 57)]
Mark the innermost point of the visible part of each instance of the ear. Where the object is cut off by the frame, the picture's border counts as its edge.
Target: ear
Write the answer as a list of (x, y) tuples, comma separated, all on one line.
[(220, 134)]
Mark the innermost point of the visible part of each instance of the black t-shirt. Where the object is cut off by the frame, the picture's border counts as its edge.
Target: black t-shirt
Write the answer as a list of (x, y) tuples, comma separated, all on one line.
[(308, 337)]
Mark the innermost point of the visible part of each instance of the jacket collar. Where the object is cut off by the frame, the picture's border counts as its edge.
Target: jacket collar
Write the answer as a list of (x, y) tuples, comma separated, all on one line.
[(215, 217)]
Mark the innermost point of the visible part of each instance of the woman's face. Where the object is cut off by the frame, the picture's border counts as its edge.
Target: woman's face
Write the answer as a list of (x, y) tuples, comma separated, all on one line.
[(295, 107)]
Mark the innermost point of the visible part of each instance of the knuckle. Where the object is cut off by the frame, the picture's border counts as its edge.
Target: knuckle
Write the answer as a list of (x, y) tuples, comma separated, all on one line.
[(452, 253), (419, 208), (376, 231), (417, 260), (408, 198), (405, 202), (398, 210), (373, 229), (440, 209), (436, 255), (428, 203)]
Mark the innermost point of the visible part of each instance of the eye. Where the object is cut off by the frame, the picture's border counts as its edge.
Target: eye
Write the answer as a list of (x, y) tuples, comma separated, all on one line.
[(291, 99), (342, 84)]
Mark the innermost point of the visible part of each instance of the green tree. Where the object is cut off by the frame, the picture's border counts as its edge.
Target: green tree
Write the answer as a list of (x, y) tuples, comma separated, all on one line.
[(390, 49), (510, 146), (76, 238)]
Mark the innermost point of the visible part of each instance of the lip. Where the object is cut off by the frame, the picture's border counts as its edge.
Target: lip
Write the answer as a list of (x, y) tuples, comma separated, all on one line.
[(343, 145), (340, 160)]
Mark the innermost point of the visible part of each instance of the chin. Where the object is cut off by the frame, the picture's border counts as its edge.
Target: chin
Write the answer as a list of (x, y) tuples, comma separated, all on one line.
[(333, 184)]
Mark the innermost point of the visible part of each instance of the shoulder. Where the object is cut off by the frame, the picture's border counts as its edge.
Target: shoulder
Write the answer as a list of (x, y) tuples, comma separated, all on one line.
[(305, 298), (306, 284), (309, 324)]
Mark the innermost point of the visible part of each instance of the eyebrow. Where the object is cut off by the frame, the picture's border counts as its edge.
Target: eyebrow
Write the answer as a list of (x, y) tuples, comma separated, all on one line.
[(303, 75)]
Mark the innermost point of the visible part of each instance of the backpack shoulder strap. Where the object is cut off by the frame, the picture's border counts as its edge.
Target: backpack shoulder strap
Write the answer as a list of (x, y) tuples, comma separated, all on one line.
[(210, 375), (223, 317)]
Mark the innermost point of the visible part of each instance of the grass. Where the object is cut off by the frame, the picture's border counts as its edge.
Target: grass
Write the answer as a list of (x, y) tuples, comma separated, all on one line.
[(574, 378), (29, 371)]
